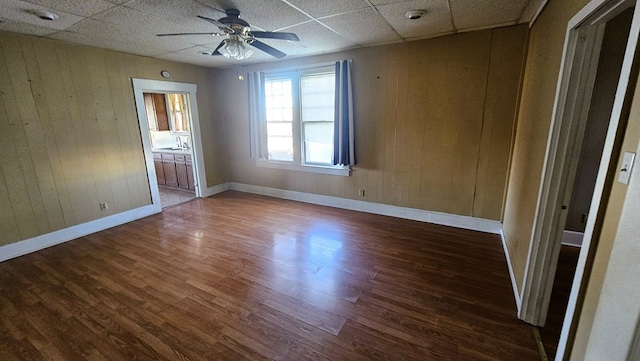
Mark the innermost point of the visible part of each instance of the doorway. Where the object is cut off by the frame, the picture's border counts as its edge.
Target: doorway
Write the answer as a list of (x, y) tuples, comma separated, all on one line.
[(587, 161), (170, 129), (168, 116), (576, 100)]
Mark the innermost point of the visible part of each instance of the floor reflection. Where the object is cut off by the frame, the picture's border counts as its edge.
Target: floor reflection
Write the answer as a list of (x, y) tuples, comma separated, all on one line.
[(315, 259)]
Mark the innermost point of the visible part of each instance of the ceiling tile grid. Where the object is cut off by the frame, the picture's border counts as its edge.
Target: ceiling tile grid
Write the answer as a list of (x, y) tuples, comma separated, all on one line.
[(319, 9), (363, 27), (470, 14), (81, 8), (24, 12), (323, 26), (437, 20)]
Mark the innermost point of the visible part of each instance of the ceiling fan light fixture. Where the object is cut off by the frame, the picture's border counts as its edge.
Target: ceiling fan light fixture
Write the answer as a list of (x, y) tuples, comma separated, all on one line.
[(234, 48)]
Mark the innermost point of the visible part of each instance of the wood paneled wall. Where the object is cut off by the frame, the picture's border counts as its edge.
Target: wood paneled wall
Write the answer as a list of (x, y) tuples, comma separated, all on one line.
[(546, 42), (69, 134), (434, 124)]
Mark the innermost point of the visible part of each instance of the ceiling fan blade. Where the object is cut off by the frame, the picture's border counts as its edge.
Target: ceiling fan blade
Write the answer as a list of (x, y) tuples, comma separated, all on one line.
[(275, 35), (176, 34), (216, 52), (215, 22), (267, 49)]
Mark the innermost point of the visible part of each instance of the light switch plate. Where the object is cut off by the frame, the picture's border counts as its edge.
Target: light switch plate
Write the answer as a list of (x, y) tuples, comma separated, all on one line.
[(625, 167)]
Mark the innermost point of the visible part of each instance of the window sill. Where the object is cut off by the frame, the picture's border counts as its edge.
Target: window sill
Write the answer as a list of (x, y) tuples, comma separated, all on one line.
[(341, 171)]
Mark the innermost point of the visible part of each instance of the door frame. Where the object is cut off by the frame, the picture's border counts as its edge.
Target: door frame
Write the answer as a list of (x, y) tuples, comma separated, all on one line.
[(141, 86), (581, 47)]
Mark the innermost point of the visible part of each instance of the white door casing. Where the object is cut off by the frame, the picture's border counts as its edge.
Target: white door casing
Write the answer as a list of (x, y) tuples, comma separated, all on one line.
[(141, 86)]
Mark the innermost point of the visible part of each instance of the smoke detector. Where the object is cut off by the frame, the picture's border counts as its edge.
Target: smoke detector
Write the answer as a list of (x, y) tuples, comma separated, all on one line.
[(415, 14), (45, 15)]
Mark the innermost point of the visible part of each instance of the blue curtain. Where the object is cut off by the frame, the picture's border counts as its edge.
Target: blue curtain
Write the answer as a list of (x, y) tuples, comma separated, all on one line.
[(257, 115), (344, 152)]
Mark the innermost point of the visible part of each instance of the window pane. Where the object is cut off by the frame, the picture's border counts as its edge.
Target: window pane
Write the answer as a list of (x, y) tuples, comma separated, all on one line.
[(317, 97), (318, 143), (279, 113)]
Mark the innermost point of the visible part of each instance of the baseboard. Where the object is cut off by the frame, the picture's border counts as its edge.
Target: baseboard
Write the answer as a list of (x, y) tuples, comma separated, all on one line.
[(215, 189), (471, 223), (512, 276), (26, 246), (571, 238), (476, 224)]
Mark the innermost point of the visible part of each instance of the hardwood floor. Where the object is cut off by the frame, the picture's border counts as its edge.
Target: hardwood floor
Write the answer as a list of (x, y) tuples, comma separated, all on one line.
[(238, 276), (550, 333)]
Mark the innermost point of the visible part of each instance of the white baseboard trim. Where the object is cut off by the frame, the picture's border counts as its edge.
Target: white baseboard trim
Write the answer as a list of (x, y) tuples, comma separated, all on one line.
[(475, 224), (215, 189), (37, 243), (512, 276), (571, 238)]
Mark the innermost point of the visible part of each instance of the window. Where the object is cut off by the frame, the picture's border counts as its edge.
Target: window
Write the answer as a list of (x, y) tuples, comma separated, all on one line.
[(177, 112), (294, 116), (279, 115), (299, 112), (317, 98)]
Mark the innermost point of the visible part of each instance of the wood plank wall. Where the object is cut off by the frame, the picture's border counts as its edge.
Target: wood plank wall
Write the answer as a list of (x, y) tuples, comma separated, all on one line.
[(69, 134), (546, 42), (434, 121)]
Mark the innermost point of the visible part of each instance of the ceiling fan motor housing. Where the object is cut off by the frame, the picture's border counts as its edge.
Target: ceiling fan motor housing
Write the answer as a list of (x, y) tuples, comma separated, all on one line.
[(232, 20)]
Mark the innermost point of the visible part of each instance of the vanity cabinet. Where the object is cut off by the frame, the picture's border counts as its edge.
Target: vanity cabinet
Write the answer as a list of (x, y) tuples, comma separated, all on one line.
[(157, 162), (190, 179), (181, 171), (169, 167), (174, 170)]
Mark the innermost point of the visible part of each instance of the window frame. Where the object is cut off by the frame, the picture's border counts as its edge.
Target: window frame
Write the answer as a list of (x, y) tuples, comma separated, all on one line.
[(171, 113), (298, 162)]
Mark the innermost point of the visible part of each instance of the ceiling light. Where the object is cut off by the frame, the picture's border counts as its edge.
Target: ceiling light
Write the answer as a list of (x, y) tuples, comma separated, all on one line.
[(415, 14), (235, 48)]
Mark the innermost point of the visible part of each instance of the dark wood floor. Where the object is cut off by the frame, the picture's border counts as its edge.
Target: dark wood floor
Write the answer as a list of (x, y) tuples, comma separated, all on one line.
[(239, 276), (550, 333)]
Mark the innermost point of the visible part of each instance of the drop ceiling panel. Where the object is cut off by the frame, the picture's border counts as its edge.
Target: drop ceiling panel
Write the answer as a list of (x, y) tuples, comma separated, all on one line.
[(469, 14), (323, 25), (320, 9), (530, 11), (314, 39), (136, 22), (386, 2), (110, 36), (24, 28), (22, 11), (264, 14), (178, 12), (83, 8), (436, 21), (364, 27), (193, 56)]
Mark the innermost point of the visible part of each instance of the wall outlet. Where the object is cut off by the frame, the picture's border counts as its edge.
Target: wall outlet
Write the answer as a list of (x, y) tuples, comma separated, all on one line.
[(361, 192), (104, 206)]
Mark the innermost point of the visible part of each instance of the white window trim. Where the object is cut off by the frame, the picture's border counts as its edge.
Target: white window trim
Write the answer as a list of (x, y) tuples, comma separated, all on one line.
[(297, 164), (331, 170)]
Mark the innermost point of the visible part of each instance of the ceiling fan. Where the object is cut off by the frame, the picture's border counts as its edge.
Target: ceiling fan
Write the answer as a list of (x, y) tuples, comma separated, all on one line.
[(239, 32)]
